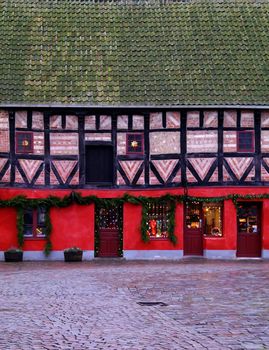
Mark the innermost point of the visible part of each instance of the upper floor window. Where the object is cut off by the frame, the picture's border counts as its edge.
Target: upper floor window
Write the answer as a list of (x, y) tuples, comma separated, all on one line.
[(24, 142), (134, 143), (245, 141), (34, 222)]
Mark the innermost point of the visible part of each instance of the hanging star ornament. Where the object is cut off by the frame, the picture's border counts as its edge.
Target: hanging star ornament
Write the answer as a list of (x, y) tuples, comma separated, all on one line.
[(134, 144)]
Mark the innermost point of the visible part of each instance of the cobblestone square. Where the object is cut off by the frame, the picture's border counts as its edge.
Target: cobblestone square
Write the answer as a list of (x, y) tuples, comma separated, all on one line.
[(94, 305)]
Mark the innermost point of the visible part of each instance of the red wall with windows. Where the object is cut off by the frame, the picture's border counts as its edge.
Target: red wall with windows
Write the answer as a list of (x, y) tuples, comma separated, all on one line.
[(74, 225)]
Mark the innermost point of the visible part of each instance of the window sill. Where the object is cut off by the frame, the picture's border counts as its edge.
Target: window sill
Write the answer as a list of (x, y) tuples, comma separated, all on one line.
[(158, 239), (34, 238), (211, 236)]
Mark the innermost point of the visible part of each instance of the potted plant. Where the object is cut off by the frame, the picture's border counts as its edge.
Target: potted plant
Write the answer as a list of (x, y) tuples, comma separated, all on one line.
[(73, 254), (13, 255)]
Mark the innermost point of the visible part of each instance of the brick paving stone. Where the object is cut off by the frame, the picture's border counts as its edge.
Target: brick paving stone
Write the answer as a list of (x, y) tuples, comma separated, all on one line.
[(94, 305)]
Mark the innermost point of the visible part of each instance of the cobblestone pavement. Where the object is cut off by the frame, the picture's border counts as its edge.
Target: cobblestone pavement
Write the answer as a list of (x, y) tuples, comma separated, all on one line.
[(94, 305)]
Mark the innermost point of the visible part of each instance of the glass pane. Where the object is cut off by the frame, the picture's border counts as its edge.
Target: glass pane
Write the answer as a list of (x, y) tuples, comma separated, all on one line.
[(157, 221), (212, 213), (193, 220), (248, 218), (27, 231), (28, 217), (108, 218), (41, 213), (245, 140)]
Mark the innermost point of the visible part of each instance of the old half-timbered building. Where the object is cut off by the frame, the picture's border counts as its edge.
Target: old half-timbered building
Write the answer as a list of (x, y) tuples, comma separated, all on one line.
[(134, 128)]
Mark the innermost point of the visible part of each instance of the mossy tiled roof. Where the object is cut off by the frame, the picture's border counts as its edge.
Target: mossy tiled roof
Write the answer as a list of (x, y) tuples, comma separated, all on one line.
[(134, 52)]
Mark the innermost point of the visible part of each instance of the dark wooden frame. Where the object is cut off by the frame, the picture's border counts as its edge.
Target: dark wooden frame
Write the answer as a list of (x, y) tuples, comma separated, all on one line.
[(34, 226), (128, 152), (31, 147), (182, 157)]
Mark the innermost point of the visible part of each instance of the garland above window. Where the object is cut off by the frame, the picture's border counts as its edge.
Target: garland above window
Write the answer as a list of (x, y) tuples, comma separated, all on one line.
[(22, 202)]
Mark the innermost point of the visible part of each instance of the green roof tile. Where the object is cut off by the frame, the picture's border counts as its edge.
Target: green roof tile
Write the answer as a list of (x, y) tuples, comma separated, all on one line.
[(134, 52)]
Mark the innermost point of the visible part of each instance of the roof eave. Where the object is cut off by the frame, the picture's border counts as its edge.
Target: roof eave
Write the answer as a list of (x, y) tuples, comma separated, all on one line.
[(132, 106)]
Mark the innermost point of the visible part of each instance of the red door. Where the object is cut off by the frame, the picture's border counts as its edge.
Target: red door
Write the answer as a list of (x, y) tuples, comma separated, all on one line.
[(108, 232), (109, 243), (193, 235), (249, 231)]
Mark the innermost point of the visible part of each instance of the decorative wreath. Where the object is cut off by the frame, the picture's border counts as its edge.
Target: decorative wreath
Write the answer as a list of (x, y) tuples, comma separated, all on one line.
[(215, 231)]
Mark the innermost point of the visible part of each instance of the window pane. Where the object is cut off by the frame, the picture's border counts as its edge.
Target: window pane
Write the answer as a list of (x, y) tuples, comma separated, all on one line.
[(108, 218), (212, 213), (27, 231), (157, 222), (24, 142), (245, 141), (193, 212), (28, 217), (248, 219), (134, 143), (41, 214)]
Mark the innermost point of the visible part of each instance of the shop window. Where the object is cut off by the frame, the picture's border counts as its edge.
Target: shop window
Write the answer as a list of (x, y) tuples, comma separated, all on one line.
[(212, 214), (245, 141), (157, 220), (134, 143), (24, 142), (34, 222)]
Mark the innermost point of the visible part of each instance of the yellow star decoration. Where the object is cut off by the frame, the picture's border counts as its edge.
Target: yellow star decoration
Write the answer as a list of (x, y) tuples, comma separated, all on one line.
[(25, 142), (134, 144)]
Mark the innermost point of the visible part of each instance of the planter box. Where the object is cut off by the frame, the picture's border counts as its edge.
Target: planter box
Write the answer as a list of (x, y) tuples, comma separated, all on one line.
[(13, 256), (73, 256)]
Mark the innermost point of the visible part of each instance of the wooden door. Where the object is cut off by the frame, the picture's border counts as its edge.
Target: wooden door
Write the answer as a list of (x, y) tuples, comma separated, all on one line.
[(99, 164), (193, 235), (108, 232), (249, 230)]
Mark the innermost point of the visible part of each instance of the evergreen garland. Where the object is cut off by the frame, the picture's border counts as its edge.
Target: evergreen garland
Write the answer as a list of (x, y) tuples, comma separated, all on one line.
[(48, 229), (20, 219), (144, 226), (22, 202)]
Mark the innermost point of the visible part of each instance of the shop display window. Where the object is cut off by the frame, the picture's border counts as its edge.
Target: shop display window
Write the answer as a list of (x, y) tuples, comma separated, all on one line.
[(212, 214), (157, 220), (206, 217)]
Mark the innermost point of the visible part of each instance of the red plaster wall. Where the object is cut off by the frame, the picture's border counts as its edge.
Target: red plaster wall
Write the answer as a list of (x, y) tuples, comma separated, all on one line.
[(74, 225), (8, 230), (265, 224)]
